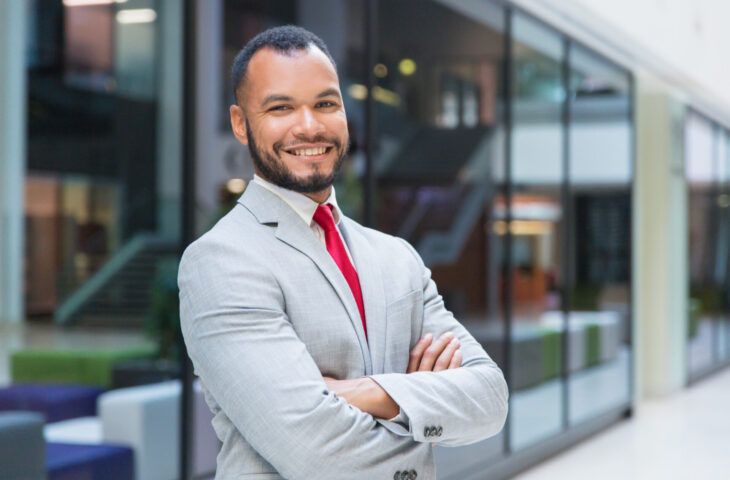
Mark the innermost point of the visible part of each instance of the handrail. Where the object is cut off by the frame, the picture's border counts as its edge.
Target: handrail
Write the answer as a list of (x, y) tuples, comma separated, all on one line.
[(75, 302), (67, 273), (438, 247)]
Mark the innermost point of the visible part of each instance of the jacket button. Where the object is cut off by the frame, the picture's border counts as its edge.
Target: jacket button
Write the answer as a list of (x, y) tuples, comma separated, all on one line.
[(397, 475), (439, 431), (426, 431), (412, 474)]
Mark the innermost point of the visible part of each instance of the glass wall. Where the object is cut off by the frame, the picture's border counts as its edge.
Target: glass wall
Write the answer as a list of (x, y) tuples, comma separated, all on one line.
[(498, 147), (103, 213), (502, 151), (708, 178), (600, 176), (103, 156), (536, 227), (439, 162), (724, 204)]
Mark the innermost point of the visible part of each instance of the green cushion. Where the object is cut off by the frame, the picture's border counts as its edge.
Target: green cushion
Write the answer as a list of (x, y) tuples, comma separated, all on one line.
[(593, 344), (85, 366), (552, 346)]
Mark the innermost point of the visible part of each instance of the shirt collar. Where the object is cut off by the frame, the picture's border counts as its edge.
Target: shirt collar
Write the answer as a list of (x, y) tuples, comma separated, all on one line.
[(300, 203)]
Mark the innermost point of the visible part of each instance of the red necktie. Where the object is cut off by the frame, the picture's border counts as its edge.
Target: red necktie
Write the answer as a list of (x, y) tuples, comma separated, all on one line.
[(323, 216)]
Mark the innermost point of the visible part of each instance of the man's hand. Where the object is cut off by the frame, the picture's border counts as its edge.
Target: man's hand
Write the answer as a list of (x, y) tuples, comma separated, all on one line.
[(429, 356)]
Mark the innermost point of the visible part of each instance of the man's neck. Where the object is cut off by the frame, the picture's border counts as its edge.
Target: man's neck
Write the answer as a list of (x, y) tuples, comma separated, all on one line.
[(318, 197), (321, 196)]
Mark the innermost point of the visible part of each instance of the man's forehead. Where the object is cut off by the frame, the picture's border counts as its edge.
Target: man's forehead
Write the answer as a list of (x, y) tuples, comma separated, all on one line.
[(271, 61)]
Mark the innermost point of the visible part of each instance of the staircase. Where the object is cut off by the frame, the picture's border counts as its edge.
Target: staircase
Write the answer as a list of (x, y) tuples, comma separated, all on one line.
[(119, 293), (456, 165)]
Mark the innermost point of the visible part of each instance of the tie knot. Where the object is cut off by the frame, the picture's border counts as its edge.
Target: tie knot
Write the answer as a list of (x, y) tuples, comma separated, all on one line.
[(324, 218)]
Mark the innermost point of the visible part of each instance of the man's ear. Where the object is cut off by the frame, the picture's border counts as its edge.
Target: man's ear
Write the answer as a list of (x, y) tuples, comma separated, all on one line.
[(238, 124)]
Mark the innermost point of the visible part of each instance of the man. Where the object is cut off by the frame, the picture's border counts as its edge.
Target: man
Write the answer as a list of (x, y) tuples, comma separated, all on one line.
[(324, 348)]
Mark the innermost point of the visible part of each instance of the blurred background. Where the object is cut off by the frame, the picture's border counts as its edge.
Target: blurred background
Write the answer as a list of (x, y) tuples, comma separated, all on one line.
[(562, 167)]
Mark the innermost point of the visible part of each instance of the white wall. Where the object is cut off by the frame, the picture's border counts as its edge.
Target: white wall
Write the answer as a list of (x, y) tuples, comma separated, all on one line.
[(13, 14), (691, 36), (683, 43)]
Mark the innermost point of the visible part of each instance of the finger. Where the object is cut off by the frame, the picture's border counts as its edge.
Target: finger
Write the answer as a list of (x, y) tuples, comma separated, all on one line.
[(455, 360), (415, 356), (444, 360), (432, 352)]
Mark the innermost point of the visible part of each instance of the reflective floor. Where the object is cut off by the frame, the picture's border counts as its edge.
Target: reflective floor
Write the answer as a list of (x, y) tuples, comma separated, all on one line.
[(676, 438)]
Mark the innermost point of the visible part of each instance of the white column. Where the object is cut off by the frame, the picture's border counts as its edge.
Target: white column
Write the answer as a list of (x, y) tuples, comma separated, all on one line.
[(209, 169), (660, 242), (169, 119), (13, 18)]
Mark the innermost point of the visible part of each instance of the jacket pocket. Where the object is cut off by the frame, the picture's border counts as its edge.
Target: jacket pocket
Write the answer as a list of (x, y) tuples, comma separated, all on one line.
[(403, 324)]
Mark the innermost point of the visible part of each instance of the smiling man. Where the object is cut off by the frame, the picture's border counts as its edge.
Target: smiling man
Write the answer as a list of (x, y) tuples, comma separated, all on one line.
[(324, 348)]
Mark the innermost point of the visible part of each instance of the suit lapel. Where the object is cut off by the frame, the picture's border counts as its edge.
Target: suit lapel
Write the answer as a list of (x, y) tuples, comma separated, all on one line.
[(373, 290), (269, 208)]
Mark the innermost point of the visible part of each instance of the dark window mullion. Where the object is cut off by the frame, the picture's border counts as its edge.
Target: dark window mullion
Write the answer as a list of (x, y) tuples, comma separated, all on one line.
[(507, 261), (567, 255), (371, 52)]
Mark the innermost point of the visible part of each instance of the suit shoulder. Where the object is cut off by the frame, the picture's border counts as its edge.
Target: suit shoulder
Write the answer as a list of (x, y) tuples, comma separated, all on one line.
[(233, 233)]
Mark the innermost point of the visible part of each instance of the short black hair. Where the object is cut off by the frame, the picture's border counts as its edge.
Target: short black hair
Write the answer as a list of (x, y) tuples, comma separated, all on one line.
[(283, 39)]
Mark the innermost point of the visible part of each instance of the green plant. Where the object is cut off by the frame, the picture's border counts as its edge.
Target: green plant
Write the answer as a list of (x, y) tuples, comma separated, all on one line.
[(163, 319)]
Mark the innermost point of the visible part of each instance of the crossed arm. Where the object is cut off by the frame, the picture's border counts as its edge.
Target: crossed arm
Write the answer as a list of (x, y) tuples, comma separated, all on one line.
[(426, 356)]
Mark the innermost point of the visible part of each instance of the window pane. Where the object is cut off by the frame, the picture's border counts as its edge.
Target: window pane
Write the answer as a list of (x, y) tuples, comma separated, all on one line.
[(600, 176), (103, 215), (439, 161), (537, 218), (704, 248), (721, 277), (103, 157)]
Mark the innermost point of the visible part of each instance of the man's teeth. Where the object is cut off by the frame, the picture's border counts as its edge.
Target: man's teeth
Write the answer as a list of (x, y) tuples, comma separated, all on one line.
[(309, 151)]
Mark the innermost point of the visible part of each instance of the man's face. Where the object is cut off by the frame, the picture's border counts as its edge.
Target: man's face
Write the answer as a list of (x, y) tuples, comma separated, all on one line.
[(292, 118)]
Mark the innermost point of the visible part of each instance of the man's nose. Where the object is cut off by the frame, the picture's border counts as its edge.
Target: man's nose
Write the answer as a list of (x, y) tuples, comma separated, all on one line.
[(308, 125)]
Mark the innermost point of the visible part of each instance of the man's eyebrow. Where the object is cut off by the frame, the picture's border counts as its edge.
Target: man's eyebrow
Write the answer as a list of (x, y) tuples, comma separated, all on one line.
[(274, 97), (328, 92)]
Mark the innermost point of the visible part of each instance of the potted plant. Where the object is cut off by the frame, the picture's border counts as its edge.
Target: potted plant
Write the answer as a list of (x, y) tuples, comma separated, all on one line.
[(162, 324)]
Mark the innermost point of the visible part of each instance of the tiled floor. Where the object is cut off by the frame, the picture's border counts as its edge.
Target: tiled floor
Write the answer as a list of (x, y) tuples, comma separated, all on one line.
[(33, 334), (685, 436)]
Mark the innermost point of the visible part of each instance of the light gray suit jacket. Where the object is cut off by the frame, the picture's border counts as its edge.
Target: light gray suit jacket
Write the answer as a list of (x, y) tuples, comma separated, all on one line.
[(266, 312)]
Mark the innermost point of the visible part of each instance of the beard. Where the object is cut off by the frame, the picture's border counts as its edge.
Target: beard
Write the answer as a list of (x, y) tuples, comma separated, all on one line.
[(274, 170)]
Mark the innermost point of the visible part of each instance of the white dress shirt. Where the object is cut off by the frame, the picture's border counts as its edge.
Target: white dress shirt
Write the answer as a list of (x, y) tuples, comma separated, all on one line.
[(305, 208)]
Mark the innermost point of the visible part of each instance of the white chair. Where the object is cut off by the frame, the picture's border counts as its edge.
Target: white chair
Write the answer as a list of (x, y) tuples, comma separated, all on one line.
[(146, 418)]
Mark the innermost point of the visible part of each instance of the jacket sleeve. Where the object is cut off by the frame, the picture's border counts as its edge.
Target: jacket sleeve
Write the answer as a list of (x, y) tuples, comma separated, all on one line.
[(451, 407), (263, 378)]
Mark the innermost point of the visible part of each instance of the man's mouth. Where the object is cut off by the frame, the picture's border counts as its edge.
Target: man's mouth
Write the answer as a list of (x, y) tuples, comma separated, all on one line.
[(309, 151)]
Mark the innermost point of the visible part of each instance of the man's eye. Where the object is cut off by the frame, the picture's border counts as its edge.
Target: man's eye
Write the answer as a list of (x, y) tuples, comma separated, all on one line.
[(326, 104), (279, 108)]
